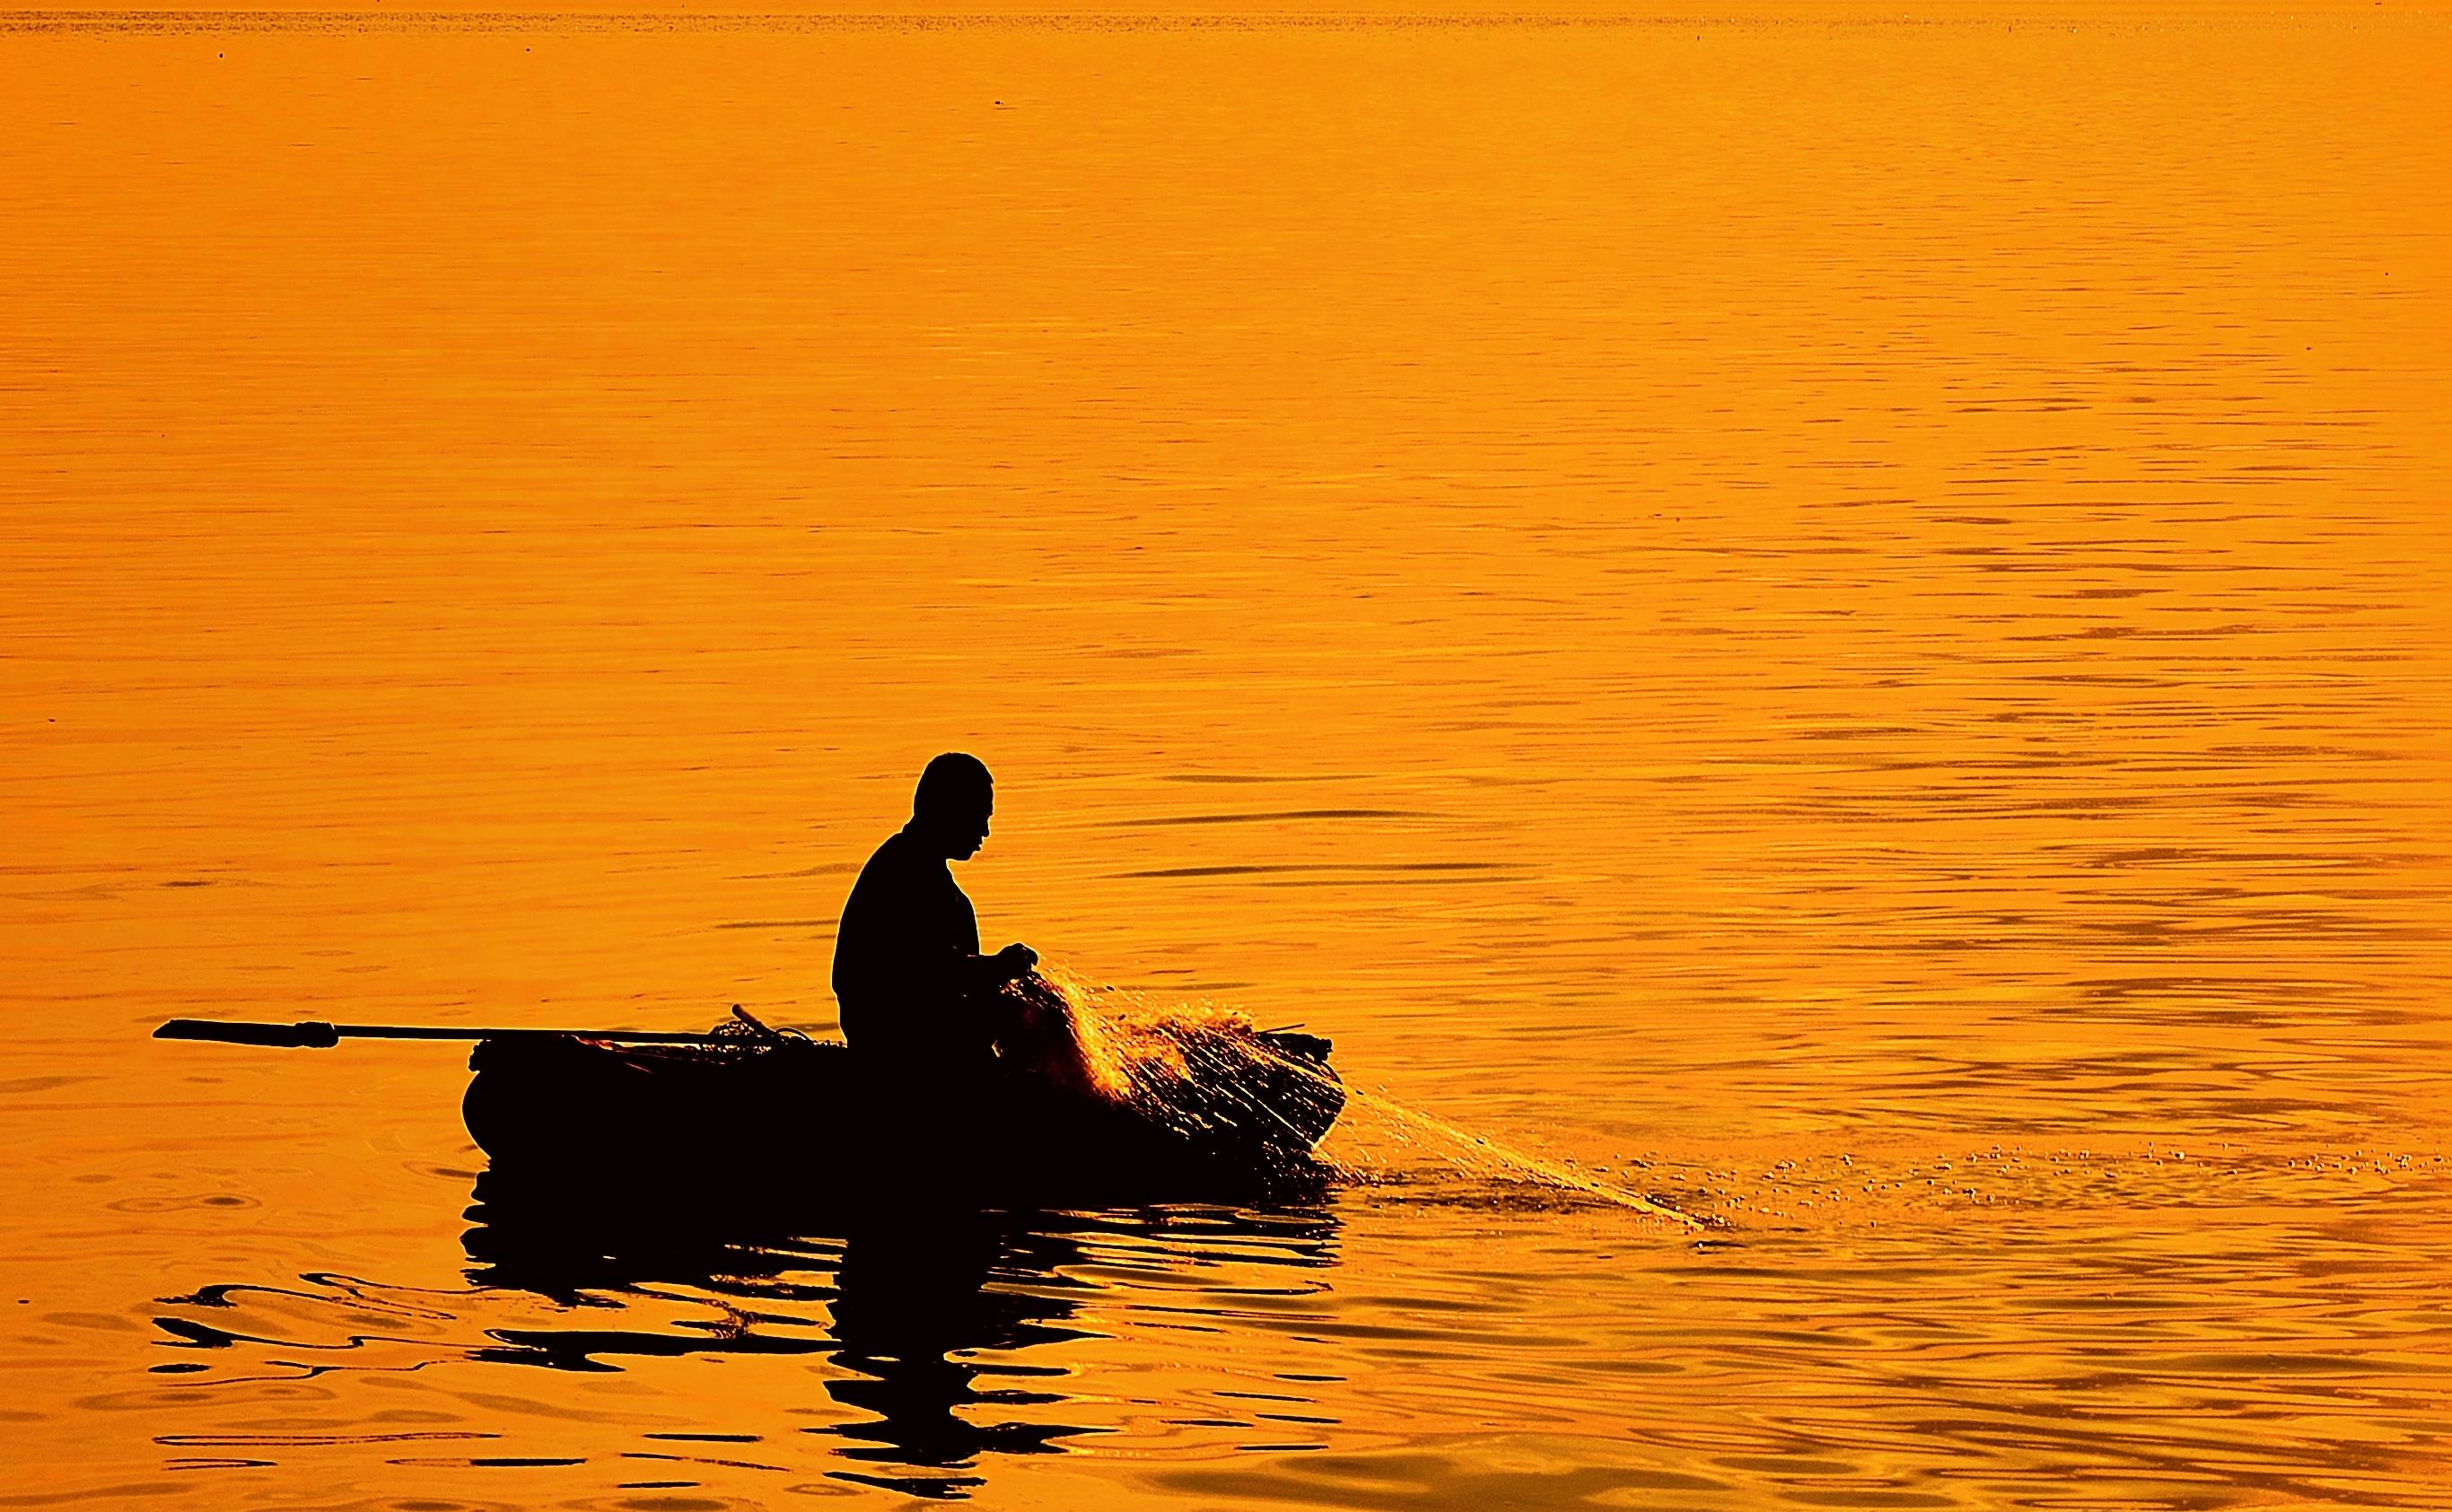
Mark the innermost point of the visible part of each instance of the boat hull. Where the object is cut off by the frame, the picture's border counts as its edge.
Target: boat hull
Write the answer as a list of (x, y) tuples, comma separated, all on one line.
[(572, 1114)]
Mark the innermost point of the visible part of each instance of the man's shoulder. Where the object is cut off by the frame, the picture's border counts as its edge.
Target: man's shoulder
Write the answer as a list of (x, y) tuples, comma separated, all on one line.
[(898, 858)]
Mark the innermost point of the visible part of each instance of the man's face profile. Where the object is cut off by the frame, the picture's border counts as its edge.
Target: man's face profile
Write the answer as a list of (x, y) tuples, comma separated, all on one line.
[(968, 830)]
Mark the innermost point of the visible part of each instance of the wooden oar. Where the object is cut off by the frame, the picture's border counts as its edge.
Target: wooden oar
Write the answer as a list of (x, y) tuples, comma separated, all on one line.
[(314, 1034)]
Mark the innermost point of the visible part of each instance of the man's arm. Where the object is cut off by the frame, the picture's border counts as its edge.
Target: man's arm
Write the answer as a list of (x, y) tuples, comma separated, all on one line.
[(960, 974), (985, 973)]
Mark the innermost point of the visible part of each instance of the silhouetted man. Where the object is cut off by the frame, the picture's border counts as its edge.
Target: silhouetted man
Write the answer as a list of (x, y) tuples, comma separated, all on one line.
[(908, 971)]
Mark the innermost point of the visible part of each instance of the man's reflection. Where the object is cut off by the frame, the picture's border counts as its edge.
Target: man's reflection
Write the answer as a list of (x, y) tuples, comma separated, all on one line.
[(913, 1299)]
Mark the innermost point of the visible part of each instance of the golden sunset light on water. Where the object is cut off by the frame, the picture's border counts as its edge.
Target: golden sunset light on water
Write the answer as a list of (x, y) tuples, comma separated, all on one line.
[(1789, 662)]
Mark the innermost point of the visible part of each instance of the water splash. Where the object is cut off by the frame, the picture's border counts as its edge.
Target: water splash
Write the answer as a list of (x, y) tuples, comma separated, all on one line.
[(1207, 1064), (1202, 1070), (1480, 1155)]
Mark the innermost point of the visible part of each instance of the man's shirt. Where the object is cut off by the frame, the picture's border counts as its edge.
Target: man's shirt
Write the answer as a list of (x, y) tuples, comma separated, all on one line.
[(906, 930)]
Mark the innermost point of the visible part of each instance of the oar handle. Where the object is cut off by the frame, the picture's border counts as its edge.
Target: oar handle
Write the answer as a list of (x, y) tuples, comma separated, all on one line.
[(311, 1034), (316, 1034)]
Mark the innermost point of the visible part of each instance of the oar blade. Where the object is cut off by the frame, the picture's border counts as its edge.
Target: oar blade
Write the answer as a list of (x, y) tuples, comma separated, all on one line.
[(308, 1035)]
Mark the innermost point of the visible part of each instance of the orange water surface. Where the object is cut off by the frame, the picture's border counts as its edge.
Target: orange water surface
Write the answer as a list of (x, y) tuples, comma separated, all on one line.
[(1836, 615)]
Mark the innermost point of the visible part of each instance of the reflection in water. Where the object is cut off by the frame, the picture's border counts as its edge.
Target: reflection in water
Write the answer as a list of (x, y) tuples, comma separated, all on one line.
[(919, 1293), (912, 1298)]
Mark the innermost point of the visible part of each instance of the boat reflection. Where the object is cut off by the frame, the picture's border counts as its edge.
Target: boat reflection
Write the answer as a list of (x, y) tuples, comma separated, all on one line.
[(924, 1303)]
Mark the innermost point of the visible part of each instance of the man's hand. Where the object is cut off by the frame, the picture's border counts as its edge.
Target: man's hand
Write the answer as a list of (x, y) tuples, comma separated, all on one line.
[(1017, 961)]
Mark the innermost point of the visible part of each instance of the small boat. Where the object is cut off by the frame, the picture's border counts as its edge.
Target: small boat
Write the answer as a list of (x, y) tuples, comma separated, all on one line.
[(1075, 1104), (1192, 1105)]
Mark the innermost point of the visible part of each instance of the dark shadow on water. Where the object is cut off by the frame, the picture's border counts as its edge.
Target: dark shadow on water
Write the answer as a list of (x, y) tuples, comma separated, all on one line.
[(924, 1303), (912, 1298)]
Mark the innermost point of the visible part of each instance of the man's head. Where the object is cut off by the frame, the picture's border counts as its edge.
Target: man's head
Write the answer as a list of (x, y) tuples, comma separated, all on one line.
[(952, 805)]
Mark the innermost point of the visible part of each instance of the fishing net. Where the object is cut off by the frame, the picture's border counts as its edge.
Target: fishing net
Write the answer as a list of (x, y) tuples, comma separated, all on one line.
[(1206, 1073)]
